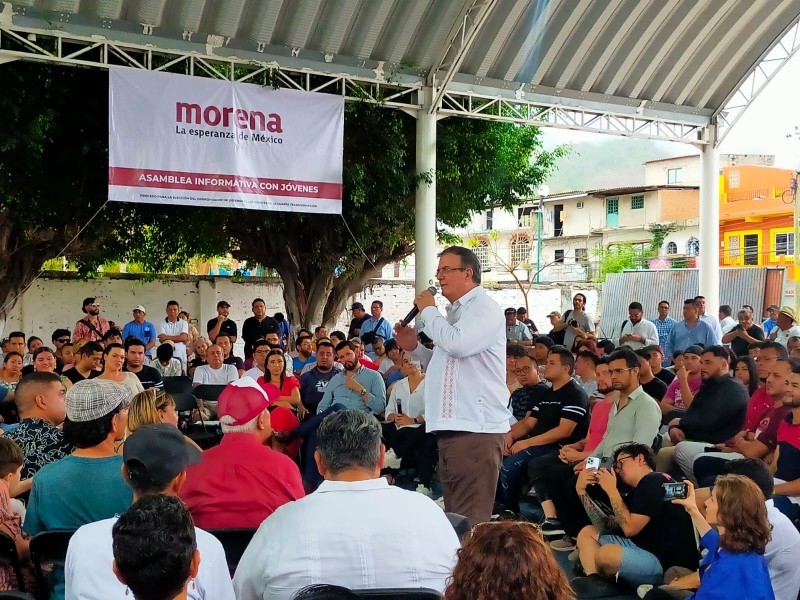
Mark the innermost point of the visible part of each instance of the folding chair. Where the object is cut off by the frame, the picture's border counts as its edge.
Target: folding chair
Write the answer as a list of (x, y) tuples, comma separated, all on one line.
[(9, 556), (49, 548), (178, 385), (399, 594), (187, 403), (235, 542)]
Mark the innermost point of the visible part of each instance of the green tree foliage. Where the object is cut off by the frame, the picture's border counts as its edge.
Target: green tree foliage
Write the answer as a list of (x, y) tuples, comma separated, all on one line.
[(53, 179)]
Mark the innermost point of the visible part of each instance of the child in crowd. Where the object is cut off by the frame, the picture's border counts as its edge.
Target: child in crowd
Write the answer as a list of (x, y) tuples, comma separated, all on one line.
[(164, 363), (11, 459)]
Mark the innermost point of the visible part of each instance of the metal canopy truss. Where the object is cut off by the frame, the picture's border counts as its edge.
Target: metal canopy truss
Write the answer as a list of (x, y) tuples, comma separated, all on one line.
[(57, 47), (758, 79), (566, 117)]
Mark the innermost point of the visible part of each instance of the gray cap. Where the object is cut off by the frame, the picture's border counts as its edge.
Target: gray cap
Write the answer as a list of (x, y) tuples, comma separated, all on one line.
[(91, 399), (162, 450)]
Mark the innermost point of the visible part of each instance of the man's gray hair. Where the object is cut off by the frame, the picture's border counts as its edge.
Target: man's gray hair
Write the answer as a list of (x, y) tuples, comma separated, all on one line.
[(349, 439), (226, 423)]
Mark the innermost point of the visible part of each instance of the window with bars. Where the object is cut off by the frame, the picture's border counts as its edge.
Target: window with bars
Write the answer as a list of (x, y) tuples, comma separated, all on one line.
[(559, 256), (581, 255), (520, 250), (672, 248), (637, 202), (612, 206), (481, 250), (784, 244)]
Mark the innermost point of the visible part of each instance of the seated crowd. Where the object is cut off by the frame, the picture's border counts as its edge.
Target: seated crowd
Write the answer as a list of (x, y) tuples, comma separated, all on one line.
[(666, 459)]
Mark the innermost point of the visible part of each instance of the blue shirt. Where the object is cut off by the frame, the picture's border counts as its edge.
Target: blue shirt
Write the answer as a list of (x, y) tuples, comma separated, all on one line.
[(145, 332), (664, 328), (385, 330), (769, 325), (298, 363), (338, 393), (725, 575), (682, 336)]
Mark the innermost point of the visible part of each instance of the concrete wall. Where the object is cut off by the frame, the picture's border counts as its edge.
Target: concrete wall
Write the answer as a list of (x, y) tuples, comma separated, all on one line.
[(54, 300)]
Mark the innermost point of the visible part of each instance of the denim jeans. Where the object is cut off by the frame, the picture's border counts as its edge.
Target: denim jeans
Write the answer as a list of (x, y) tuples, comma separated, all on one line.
[(513, 469)]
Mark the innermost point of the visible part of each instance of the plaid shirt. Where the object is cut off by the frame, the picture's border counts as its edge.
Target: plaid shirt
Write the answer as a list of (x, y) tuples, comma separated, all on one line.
[(664, 328)]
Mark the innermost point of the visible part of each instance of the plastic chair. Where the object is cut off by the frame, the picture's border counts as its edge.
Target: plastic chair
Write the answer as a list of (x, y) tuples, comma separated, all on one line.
[(208, 392), (460, 523), (49, 548), (235, 542), (400, 593), (178, 385), (9, 556)]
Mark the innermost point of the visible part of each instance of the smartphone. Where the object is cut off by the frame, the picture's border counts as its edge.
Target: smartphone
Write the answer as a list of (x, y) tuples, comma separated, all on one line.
[(593, 462), (673, 491)]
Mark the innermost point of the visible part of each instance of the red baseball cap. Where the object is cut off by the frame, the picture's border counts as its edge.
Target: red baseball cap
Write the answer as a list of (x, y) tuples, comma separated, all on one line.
[(243, 400)]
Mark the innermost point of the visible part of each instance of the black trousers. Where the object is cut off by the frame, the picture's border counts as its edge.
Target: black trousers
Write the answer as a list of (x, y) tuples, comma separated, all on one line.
[(416, 448)]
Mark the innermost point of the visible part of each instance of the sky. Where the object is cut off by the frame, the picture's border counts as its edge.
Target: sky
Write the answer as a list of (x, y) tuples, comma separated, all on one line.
[(763, 128)]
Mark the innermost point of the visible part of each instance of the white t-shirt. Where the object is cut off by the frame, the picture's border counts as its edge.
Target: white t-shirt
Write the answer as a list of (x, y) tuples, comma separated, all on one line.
[(254, 373), (205, 375), (89, 574), (178, 327)]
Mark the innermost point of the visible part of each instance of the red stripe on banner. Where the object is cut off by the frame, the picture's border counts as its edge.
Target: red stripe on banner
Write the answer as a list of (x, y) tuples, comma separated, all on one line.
[(180, 180)]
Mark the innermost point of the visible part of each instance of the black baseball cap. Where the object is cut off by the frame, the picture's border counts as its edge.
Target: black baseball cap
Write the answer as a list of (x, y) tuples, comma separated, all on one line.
[(222, 303), (162, 450), (357, 305), (511, 310)]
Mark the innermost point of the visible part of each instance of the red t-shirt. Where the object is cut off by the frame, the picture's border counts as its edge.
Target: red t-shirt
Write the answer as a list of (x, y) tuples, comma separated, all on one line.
[(239, 483), (757, 407), (275, 393), (598, 424), (369, 364)]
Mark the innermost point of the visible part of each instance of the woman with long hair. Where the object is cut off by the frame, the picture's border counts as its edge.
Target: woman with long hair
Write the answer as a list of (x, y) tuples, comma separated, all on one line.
[(113, 361), (151, 407), (744, 369), (734, 566), (11, 372), (279, 385), (507, 559)]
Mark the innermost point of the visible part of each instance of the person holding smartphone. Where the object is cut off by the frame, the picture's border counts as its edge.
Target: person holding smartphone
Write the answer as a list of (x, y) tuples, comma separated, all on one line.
[(632, 540)]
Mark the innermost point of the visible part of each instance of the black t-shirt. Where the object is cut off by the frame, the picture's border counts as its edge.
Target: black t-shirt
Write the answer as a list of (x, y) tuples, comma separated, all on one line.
[(567, 402), (669, 534), (254, 330), (356, 324), (235, 361), (557, 337), (227, 326), (149, 377), (74, 376), (655, 388), (197, 362), (666, 376), (739, 346), (524, 399)]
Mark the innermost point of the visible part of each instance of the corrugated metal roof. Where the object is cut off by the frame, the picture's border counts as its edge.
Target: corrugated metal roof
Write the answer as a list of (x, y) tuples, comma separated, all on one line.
[(678, 56), (737, 287)]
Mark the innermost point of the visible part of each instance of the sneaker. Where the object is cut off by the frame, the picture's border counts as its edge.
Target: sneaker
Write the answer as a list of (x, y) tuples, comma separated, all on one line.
[(391, 460), (642, 590), (565, 544), (594, 586), (506, 515), (552, 528), (425, 491)]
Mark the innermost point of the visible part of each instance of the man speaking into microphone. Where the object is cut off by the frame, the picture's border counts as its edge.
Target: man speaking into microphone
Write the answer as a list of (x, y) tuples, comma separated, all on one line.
[(466, 396)]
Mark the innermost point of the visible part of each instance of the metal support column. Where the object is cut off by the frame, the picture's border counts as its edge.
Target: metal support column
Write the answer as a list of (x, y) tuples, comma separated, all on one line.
[(425, 231), (709, 222)]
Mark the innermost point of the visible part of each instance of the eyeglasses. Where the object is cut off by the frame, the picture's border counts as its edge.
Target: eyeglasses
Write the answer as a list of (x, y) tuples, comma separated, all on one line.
[(261, 352), (523, 371), (618, 463), (63, 340), (765, 358), (620, 371), (446, 270)]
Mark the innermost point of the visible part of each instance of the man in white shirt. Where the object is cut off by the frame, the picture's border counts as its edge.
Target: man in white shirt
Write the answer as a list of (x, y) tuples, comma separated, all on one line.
[(637, 332), (176, 331), (726, 320), (155, 458), (786, 327), (356, 530), (215, 372), (710, 319), (466, 398), (260, 350)]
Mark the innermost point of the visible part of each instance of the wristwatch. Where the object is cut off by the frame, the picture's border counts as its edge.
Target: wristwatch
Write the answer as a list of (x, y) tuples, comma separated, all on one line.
[(415, 420), (364, 392)]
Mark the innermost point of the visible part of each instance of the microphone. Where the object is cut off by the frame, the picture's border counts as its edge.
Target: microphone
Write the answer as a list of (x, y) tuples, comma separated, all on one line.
[(415, 311)]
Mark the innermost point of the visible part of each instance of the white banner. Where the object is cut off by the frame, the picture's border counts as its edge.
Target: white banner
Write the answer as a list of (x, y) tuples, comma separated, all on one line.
[(175, 139)]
